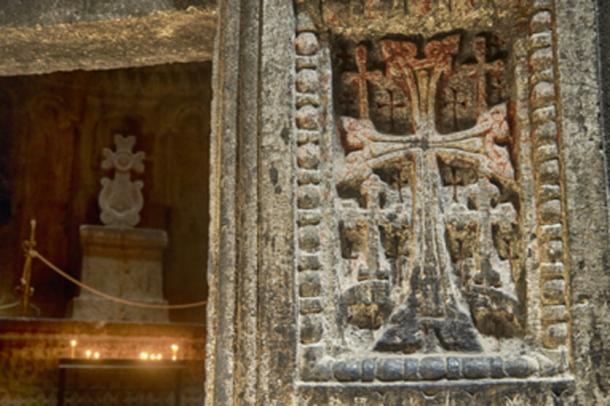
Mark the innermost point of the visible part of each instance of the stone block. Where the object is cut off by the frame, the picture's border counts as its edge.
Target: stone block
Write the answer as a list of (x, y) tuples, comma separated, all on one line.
[(122, 262)]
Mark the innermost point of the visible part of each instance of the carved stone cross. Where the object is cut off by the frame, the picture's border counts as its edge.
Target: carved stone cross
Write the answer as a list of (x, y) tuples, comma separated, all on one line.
[(479, 71), (434, 314), (391, 104), (121, 198), (455, 101), (361, 78)]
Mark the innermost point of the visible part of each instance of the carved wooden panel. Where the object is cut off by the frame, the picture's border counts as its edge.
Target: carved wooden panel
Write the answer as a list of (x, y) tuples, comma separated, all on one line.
[(430, 220)]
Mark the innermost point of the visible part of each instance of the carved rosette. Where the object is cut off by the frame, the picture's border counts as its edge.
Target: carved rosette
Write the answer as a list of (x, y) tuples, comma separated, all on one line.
[(413, 238)]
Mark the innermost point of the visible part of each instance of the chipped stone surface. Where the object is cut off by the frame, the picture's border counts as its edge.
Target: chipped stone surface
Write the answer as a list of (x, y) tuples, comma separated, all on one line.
[(20, 13), (425, 213)]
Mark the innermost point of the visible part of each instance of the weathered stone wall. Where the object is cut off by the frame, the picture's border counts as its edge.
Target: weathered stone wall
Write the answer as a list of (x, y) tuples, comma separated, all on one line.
[(449, 234), (27, 13), (276, 307), (603, 16), (103, 34)]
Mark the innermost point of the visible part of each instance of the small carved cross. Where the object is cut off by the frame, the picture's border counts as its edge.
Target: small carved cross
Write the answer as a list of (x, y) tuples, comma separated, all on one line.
[(391, 104), (124, 159), (454, 99), (361, 78), (486, 192), (362, 231), (480, 70)]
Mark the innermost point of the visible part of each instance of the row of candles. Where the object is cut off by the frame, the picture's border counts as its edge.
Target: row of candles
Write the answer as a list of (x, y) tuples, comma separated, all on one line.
[(144, 356)]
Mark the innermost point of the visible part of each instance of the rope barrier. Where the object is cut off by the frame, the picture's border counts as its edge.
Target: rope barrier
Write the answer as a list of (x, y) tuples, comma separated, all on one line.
[(35, 254), (16, 304), (10, 305)]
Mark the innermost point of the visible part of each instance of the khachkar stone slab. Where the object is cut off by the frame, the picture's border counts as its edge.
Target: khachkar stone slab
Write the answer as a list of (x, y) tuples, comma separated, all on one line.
[(119, 260), (429, 210)]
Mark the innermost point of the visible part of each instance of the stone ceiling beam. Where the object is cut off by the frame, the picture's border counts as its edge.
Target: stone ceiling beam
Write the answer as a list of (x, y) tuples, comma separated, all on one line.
[(159, 38)]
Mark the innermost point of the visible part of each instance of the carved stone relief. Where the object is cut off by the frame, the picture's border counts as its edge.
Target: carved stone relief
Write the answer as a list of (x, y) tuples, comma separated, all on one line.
[(428, 218), (121, 198), (415, 234)]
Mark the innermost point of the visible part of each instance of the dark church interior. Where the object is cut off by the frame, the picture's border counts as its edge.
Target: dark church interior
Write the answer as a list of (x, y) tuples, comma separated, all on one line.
[(55, 131)]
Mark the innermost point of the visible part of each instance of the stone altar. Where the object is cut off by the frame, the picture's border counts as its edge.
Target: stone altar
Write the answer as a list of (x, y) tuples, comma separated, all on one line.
[(120, 260)]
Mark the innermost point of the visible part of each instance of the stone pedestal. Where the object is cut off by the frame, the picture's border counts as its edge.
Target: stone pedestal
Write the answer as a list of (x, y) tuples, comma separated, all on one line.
[(122, 262)]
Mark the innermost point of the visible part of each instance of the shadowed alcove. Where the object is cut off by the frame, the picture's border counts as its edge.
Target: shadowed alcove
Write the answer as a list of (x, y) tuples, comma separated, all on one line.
[(53, 131), (56, 126), (72, 77)]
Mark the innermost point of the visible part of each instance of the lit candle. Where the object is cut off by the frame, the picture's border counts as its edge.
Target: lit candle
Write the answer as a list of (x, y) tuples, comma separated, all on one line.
[(144, 356), (175, 349), (73, 344), (96, 355), (88, 354)]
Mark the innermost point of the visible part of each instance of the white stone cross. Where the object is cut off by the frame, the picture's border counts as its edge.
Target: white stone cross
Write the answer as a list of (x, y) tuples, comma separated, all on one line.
[(121, 198)]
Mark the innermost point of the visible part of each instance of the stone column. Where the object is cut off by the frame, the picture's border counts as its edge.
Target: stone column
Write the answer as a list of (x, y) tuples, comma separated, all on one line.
[(251, 331), (580, 87)]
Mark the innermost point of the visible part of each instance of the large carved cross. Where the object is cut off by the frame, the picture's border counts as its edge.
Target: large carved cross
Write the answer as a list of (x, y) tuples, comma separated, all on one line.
[(433, 314)]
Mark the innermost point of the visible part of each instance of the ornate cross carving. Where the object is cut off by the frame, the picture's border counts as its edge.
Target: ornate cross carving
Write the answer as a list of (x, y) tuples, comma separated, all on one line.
[(121, 198), (433, 313)]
